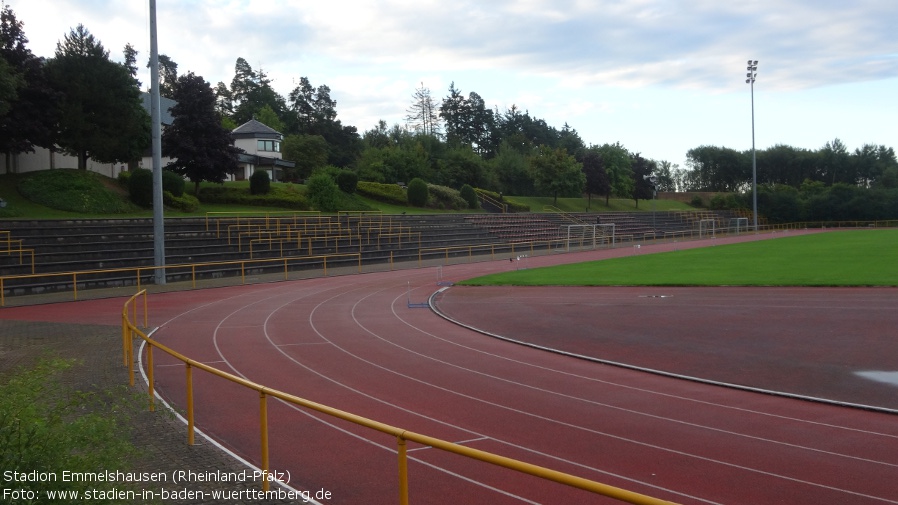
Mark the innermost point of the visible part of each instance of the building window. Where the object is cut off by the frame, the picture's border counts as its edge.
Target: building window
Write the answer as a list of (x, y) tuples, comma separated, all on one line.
[(268, 145)]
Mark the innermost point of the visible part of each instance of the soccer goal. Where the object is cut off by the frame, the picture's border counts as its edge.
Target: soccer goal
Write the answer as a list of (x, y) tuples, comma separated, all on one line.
[(738, 224), (706, 227), (588, 235)]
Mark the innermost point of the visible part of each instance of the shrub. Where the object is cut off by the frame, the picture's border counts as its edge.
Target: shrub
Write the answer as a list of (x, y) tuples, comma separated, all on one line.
[(172, 183), (259, 183), (240, 196), (442, 197), (323, 193), (140, 187), (470, 196), (123, 177), (389, 193), (183, 203), (418, 192), (697, 202), (348, 181)]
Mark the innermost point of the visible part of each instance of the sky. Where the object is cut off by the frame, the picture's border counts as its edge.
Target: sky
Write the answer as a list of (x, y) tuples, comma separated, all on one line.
[(659, 76)]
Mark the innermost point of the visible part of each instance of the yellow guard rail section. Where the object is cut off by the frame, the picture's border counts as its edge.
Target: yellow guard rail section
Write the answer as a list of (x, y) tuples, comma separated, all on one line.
[(129, 330)]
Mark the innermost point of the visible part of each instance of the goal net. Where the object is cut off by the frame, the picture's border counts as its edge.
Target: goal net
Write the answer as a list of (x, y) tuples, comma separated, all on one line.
[(588, 235), (706, 228), (738, 224)]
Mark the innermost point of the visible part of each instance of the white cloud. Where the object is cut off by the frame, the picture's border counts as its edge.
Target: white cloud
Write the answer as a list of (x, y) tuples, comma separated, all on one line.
[(564, 59)]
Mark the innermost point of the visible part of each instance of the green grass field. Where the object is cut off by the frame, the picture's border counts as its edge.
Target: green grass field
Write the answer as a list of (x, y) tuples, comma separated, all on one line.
[(844, 258)]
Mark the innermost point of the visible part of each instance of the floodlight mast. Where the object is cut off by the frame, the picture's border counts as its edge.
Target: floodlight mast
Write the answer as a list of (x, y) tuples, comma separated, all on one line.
[(750, 79), (156, 128)]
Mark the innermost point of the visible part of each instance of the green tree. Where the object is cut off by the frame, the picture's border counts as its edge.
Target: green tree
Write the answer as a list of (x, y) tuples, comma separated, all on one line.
[(168, 75), (597, 182), (309, 152), (101, 115), (512, 171), (200, 148), (461, 166), (269, 118), (642, 187), (617, 162), (30, 113), (555, 172), (251, 91)]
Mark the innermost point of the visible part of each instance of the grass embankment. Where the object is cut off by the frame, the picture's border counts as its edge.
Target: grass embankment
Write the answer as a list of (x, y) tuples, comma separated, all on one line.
[(73, 194), (845, 258)]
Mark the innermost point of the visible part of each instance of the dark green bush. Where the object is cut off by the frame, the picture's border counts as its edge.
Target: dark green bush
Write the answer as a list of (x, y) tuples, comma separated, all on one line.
[(259, 183), (389, 193), (418, 192), (323, 193), (183, 203), (348, 181), (697, 202), (123, 177), (442, 197), (173, 183), (140, 187), (470, 196), (240, 196)]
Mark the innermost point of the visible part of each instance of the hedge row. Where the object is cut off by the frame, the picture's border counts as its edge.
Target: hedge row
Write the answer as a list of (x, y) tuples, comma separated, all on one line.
[(389, 193), (241, 196)]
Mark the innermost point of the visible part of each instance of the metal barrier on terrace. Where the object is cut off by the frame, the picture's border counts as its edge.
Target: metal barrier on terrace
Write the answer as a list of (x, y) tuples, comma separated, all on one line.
[(188, 269), (8, 250), (192, 271), (402, 436)]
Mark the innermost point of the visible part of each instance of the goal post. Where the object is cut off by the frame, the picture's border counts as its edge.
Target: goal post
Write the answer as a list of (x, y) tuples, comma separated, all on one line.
[(738, 224), (706, 227), (588, 235)]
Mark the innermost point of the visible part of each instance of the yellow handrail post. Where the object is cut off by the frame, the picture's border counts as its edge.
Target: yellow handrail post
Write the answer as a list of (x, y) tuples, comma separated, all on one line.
[(391, 261), (360, 263), (138, 278), (325, 266), (2, 296), (125, 336), (190, 423), (75, 284), (131, 355), (193, 275), (403, 471), (242, 274), (263, 424), (146, 320), (150, 384)]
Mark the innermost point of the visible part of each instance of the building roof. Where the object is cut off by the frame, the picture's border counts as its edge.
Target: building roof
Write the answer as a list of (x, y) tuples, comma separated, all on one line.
[(165, 105), (255, 129)]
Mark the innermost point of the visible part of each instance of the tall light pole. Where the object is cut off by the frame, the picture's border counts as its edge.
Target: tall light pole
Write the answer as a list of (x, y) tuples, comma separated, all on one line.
[(156, 129), (750, 79)]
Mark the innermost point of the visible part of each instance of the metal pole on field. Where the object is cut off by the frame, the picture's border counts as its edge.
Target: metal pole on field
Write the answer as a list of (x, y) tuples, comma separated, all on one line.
[(751, 75), (155, 113)]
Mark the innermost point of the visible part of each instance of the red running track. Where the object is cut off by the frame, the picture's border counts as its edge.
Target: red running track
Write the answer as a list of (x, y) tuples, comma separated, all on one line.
[(352, 343)]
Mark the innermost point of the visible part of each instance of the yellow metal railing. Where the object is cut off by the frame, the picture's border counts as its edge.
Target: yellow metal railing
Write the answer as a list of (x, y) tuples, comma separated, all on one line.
[(129, 331), (170, 270)]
